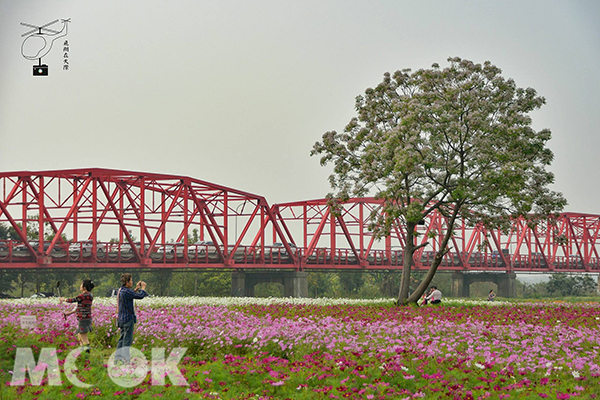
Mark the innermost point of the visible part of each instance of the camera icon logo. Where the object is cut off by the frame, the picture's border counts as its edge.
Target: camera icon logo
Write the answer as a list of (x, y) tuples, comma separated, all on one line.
[(40, 70)]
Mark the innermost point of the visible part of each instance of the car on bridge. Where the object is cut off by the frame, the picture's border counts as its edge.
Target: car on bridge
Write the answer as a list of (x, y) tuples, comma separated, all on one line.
[(278, 252), (126, 248), (172, 249), (496, 258), (207, 249), (537, 260), (86, 247), (35, 245), (203, 249), (575, 261)]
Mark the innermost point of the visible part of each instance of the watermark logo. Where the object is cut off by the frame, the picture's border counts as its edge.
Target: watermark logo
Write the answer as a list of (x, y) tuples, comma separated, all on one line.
[(39, 41), (125, 374)]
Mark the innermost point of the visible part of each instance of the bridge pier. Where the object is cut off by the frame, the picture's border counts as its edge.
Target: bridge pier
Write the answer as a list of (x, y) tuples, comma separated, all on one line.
[(295, 284), (458, 285), (506, 283)]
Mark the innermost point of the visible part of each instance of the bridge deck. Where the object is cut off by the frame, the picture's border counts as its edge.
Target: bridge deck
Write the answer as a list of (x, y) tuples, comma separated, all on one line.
[(269, 258)]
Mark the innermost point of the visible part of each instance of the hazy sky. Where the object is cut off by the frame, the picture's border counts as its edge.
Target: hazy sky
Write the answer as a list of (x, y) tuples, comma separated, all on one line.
[(237, 92)]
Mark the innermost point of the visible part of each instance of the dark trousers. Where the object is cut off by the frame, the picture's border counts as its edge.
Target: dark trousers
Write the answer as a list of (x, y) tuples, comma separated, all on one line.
[(125, 340)]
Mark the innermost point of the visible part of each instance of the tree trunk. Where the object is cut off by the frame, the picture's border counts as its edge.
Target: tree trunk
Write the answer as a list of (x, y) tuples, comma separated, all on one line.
[(436, 261), (407, 262), (416, 295)]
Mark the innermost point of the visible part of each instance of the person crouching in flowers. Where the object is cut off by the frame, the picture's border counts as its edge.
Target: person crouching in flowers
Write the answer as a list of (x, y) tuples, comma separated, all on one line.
[(434, 296), (84, 312), (423, 301)]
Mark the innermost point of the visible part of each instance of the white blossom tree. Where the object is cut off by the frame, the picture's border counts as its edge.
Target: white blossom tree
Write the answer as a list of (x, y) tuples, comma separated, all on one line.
[(458, 140)]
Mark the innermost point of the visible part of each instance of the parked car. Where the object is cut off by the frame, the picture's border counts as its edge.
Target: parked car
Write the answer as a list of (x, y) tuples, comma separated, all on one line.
[(575, 261), (172, 248), (126, 248), (243, 253), (86, 247), (476, 259), (496, 258), (537, 260), (203, 248), (427, 257), (208, 249), (397, 253), (278, 251), (34, 244)]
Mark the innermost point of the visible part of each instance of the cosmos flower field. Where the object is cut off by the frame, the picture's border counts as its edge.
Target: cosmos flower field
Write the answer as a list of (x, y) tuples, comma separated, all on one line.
[(247, 348)]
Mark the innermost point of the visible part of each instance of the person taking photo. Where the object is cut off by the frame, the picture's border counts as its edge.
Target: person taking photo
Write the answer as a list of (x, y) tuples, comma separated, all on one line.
[(126, 318)]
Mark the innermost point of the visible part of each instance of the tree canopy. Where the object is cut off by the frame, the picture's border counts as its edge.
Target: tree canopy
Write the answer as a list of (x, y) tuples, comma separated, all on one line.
[(571, 285), (458, 140)]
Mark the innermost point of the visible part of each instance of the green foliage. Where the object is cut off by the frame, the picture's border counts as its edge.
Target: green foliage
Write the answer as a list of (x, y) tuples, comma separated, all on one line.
[(458, 140), (7, 280), (214, 284), (158, 281), (194, 237), (268, 289), (537, 290), (4, 232), (571, 285), (323, 284), (459, 136), (351, 283)]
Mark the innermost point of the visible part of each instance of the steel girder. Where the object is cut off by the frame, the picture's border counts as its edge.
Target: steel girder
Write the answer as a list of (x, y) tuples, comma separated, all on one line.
[(568, 242), (117, 209), (130, 218)]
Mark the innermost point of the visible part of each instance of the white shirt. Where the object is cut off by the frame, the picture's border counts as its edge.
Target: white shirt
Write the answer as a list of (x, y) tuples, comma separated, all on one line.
[(435, 295)]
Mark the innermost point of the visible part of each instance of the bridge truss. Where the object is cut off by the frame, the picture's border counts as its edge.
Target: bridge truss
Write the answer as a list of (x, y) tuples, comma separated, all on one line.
[(568, 242), (103, 218), (122, 217)]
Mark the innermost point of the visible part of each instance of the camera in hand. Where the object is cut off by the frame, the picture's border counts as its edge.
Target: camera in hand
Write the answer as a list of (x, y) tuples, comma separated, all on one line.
[(40, 70)]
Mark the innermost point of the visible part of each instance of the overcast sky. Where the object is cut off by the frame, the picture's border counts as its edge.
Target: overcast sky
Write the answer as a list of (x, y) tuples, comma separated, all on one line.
[(237, 92)]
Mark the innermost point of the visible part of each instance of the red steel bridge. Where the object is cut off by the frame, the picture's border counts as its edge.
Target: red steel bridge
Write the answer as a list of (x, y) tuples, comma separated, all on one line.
[(104, 218)]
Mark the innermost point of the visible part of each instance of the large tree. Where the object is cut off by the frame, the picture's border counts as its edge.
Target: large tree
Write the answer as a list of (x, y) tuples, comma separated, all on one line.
[(576, 285), (457, 140)]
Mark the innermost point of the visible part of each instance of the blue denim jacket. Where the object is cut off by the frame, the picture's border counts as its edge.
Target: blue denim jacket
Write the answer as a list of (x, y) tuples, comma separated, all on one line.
[(125, 298)]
